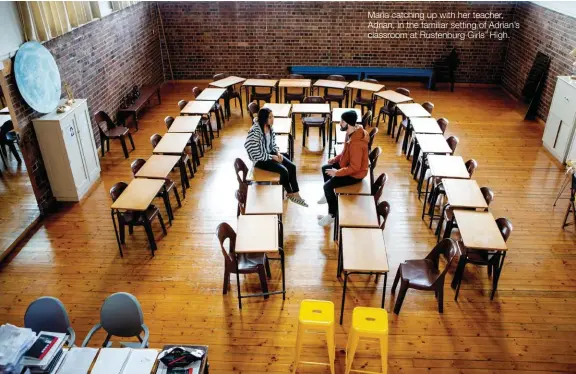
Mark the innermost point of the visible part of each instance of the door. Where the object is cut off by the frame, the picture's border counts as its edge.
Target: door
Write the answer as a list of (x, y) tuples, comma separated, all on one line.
[(72, 141), (88, 146)]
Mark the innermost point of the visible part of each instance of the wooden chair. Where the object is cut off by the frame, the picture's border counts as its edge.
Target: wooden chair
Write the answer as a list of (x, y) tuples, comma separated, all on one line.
[(253, 109), (389, 109), (377, 187), (195, 143), (265, 95), (339, 97), (231, 94), (309, 121), (131, 218), (383, 210), (109, 130), (372, 135), (182, 104), (294, 96), (373, 159), (241, 173), (442, 123), (491, 259), (216, 110), (9, 137), (367, 102), (247, 264), (425, 274), (169, 185)]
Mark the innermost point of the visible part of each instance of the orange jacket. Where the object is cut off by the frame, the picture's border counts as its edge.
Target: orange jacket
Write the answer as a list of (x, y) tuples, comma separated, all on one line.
[(354, 158)]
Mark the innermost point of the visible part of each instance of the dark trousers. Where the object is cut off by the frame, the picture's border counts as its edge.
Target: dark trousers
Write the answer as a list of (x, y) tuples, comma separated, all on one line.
[(287, 171), (330, 183)]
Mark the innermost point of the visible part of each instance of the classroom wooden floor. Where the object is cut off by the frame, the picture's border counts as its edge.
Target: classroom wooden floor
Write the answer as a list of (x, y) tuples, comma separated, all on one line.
[(529, 327)]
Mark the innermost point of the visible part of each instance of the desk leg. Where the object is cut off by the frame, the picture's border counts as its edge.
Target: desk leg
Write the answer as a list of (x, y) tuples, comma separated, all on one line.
[(406, 134), (247, 99), (116, 232), (330, 129), (294, 126), (496, 276), (184, 177), (384, 289), (340, 260), (277, 94), (422, 174), (414, 157), (150, 235), (135, 117), (343, 296), (238, 283), (282, 261), (159, 97)]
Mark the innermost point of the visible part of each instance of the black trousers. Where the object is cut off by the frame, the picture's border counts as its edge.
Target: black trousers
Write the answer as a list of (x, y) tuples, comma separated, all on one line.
[(287, 171), (330, 183)]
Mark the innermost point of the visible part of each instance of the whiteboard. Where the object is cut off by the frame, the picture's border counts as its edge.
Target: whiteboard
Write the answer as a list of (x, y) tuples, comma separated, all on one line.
[(11, 36)]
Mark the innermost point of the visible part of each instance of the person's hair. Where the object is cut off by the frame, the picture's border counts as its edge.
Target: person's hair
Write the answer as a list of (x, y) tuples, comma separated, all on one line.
[(263, 115)]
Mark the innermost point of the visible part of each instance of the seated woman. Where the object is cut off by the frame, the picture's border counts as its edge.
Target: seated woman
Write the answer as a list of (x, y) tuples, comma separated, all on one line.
[(349, 167), (265, 154)]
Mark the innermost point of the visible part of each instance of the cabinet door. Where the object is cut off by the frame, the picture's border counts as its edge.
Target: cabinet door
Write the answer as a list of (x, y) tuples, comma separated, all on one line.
[(552, 130), (87, 143), (72, 141), (564, 102)]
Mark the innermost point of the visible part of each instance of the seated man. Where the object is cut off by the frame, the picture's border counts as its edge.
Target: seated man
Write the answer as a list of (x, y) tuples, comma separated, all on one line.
[(349, 167)]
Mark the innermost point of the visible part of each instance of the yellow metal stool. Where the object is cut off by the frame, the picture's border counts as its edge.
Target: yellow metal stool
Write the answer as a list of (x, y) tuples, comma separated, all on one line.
[(316, 316), (371, 323)]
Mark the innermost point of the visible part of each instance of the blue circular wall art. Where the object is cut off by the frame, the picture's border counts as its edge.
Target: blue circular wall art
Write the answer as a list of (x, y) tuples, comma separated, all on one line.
[(37, 77)]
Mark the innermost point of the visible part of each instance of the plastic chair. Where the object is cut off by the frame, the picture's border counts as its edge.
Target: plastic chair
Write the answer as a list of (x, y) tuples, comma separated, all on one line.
[(367, 102), (230, 94), (368, 323), (9, 137), (253, 109), (389, 109), (314, 121), (109, 130), (383, 210), (294, 96), (121, 315), (49, 314), (341, 97), (316, 316)]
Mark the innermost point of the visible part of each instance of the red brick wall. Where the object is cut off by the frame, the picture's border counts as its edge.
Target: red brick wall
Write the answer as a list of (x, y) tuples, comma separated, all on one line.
[(101, 61), (545, 31), (246, 38)]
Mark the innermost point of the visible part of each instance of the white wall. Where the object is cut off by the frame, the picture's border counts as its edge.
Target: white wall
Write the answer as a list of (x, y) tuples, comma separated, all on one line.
[(564, 7), (11, 36)]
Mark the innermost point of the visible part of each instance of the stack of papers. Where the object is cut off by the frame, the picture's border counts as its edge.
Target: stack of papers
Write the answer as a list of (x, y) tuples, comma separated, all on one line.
[(46, 354), (124, 361), (14, 342), (78, 360)]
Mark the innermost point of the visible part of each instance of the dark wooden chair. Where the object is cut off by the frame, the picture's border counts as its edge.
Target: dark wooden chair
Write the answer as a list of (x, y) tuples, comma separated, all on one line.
[(164, 194), (131, 218), (290, 96), (372, 135), (383, 210), (9, 138), (261, 93), (182, 104), (309, 121), (377, 187), (109, 130), (389, 109), (490, 259), (247, 264), (241, 195), (365, 102), (216, 110), (184, 160), (195, 143), (253, 109), (373, 159), (425, 274), (231, 93), (452, 143), (341, 97), (443, 124), (241, 173)]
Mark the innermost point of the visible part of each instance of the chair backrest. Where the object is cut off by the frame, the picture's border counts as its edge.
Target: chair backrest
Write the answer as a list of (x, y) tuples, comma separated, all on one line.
[(378, 187), (488, 194), (403, 91), (367, 119), (225, 231), (121, 315), (336, 77), (155, 139), (471, 166), (447, 248), (241, 198), (263, 76), (49, 314), (314, 100), (373, 157), (382, 209), (103, 120), (428, 106), (368, 80), (505, 227), (241, 168), (117, 190), (219, 76), (452, 142), (442, 123), (182, 104), (137, 165), (253, 108), (295, 76), (5, 129), (169, 120), (372, 135), (196, 92)]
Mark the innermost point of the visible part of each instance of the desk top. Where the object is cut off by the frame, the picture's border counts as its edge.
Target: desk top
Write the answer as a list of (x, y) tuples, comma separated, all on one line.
[(259, 175), (362, 188), (139, 194), (366, 86), (227, 82), (198, 107), (264, 199), (261, 82), (185, 124), (173, 143), (433, 143), (337, 114), (282, 125), (413, 110), (464, 193), (279, 110), (257, 234), (310, 108), (328, 83), (479, 230), (425, 125), (158, 167), (447, 167), (211, 94), (282, 141), (393, 96), (364, 250), (357, 211), (303, 83)]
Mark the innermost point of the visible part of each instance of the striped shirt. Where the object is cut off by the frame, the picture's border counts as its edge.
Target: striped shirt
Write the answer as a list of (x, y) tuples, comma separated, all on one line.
[(255, 144)]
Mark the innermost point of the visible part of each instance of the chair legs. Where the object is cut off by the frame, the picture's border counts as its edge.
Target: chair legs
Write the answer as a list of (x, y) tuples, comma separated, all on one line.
[(400, 297), (177, 195), (226, 281), (263, 281), (131, 141), (124, 149)]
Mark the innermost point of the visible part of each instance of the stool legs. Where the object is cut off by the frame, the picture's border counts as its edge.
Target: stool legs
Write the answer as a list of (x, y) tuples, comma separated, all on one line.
[(330, 339), (351, 346), (384, 354), (298, 347)]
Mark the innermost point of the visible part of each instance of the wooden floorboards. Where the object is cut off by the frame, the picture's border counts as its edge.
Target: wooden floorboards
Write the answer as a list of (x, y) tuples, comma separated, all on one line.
[(529, 327)]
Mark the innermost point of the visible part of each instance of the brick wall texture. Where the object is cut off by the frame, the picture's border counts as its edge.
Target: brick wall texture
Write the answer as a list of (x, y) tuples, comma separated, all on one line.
[(545, 31), (101, 61), (247, 38)]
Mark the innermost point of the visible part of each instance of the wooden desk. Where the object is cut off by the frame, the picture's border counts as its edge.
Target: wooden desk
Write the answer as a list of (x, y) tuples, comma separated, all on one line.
[(479, 230), (393, 96), (259, 175), (227, 82), (158, 167), (337, 117), (259, 234), (362, 188), (211, 94), (198, 107), (411, 111), (282, 125), (464, 193), (364, 86), (283, 143), (279, 110), (295, 83), (362, 251), (175, 144), (307, 109), (428, 144), (146, 93), (268, 83), (187, 124), (264, 199), (327, 83), (355, 211), (425, 125)]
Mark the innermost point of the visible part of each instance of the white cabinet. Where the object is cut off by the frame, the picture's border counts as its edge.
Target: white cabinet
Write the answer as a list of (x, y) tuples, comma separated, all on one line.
[(69, 151), (559, 135)]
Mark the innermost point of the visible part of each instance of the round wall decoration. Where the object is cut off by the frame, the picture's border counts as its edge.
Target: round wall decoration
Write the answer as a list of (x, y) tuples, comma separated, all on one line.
[(37, 77)]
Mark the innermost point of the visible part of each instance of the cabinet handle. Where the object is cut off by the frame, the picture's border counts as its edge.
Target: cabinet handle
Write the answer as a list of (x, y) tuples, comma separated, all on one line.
[(557, 134), (72, 133)]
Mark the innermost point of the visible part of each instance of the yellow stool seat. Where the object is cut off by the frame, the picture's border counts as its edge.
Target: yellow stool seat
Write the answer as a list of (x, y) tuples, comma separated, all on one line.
[(370, 323), (316, 316)]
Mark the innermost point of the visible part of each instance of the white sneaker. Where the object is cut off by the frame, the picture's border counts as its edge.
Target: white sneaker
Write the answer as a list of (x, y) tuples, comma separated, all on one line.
[(323, 200), (327, 220)]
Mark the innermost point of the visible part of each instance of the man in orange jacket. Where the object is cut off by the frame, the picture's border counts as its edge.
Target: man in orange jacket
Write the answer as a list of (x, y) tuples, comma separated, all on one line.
[(349, 167)]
